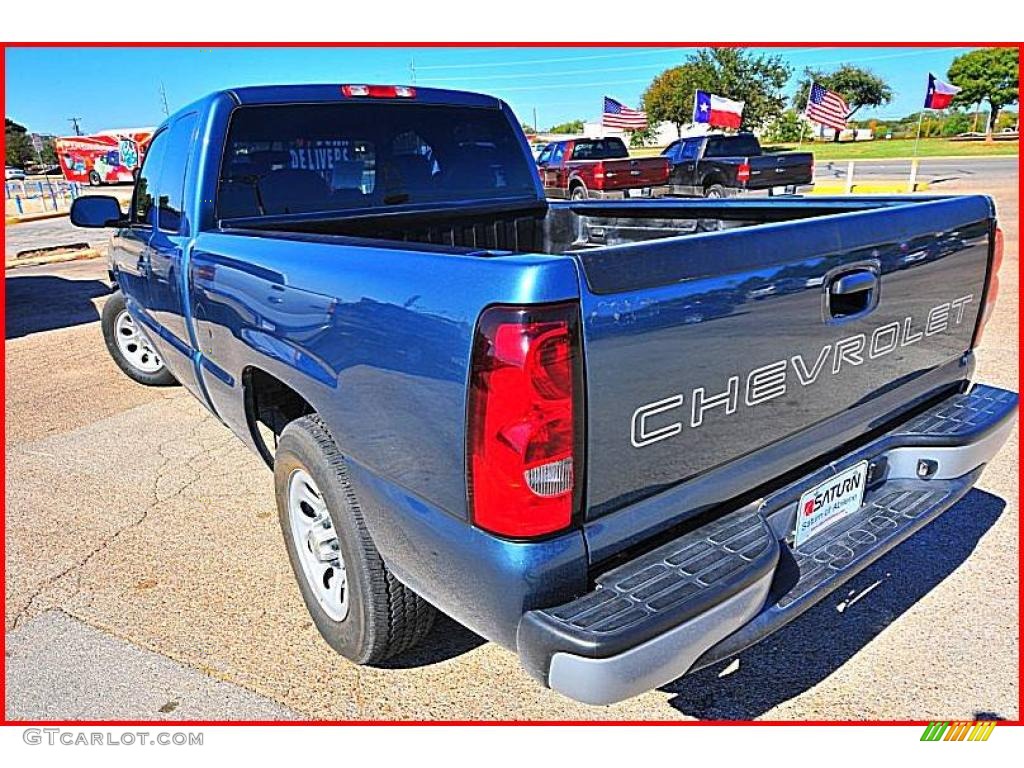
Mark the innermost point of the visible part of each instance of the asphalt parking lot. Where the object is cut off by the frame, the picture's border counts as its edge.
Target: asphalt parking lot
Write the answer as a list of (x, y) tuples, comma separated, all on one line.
[(146, 575)]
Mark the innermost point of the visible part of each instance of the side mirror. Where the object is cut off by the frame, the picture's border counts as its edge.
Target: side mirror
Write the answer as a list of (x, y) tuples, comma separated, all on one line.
[(96, 211)]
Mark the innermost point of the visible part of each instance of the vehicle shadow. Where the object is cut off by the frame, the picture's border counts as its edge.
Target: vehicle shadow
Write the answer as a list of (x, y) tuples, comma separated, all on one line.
[(44, 302), (812, 647), (447, 639)]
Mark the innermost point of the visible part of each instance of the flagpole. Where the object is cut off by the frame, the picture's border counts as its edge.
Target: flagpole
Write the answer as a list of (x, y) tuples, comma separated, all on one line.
[(807, 104), (917, 141)]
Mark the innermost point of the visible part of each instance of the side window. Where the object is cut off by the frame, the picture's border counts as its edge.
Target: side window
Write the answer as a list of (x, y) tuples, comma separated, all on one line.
[(145, 185), (171, 184), (672, 151), (689, 149), (557, 154), (717, 148)]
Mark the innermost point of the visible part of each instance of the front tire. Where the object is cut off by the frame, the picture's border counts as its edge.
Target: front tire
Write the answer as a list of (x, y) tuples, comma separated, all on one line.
[(360, 608), (94, 179), (130, 347)]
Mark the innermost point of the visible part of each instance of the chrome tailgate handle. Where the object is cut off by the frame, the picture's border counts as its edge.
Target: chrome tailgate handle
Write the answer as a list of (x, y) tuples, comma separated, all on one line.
[(851, 294)]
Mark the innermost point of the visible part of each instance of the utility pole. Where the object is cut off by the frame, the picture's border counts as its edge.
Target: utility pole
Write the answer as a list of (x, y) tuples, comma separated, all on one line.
[(163, 98), (535, 126), (412, 71), (74, 125)]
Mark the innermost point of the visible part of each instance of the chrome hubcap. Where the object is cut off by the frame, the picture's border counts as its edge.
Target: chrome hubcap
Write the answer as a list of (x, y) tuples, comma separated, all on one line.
[(134, 344), (316, 542)]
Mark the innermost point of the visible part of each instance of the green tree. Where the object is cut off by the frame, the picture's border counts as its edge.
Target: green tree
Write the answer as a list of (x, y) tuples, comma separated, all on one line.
[(756, 80), (956, 123), (572, 126), (527, 128), (48, 154), (860, 87), (669, 97), (987, 74), (17, 144), (788, 127), (643, 138)]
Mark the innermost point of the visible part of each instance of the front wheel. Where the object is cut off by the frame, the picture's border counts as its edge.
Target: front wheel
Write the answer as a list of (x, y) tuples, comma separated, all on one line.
[(360, 608), (94, 179), (130, 346)]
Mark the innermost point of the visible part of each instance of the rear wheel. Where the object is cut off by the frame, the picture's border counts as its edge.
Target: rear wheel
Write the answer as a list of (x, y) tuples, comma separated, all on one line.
[(714, 191), (579, 192), (360, 608), (130, 347)]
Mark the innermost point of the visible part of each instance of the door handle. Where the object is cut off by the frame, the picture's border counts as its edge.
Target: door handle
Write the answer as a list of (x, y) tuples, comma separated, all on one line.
[(854, 282), (851, 294)]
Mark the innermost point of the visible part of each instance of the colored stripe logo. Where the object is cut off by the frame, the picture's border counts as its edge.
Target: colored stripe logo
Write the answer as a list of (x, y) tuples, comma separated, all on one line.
[(978, 730)]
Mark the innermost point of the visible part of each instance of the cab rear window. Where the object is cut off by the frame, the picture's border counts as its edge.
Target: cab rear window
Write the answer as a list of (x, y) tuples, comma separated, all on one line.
[(599, 149), (307, 158)]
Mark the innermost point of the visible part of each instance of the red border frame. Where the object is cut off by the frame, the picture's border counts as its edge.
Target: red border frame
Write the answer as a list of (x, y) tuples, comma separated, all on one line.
[(479, 44)]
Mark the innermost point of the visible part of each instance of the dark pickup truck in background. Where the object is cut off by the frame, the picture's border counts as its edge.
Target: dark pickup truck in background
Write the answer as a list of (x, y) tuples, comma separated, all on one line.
[(722, 166), (599, 168), (624, 439)]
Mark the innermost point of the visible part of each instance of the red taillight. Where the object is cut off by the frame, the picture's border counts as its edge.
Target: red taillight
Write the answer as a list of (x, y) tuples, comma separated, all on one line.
[(379, 91), (743, 173), (599, 175), (525, 420), (991, 289)]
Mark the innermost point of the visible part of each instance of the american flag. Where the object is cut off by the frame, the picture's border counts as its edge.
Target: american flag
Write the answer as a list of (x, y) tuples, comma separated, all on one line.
[(827, 107), (618, 115)]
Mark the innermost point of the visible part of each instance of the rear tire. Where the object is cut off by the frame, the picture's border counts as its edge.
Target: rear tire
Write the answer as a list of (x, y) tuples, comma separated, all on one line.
[(714, 191), (360, 608), (130, 347), (579, 192)]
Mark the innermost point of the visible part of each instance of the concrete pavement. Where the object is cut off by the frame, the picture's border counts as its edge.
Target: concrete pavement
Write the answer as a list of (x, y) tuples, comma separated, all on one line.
[(101, 677)]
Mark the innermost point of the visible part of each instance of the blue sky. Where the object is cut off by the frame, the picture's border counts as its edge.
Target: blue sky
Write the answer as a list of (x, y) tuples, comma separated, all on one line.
[(120, 87)]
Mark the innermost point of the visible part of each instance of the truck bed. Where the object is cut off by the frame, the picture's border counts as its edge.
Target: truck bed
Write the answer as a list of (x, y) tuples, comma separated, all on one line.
[(558, 227), (686, 300)]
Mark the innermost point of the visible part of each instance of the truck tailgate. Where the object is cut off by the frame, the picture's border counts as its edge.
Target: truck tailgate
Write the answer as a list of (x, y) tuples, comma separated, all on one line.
[(635, 172), (782, 169), (704, 349)]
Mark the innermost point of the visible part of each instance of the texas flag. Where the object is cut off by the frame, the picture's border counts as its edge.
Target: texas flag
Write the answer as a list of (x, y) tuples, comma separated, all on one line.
[(940, 94), (717, 111)]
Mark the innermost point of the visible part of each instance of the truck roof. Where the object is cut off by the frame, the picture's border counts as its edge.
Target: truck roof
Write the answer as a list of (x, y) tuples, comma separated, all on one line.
[(331, 92)]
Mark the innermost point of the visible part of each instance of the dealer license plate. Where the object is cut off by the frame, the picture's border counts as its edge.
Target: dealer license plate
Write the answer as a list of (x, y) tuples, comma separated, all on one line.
[(830, 502)]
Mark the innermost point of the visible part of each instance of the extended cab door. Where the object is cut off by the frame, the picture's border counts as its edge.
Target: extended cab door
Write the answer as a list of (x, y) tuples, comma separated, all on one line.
[(130, 252), (163, 305), (555, 183), (166, 305), (684, 163)]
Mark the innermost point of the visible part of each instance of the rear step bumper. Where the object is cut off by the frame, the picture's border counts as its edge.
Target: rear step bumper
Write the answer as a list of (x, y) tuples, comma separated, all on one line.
[(724, 586)]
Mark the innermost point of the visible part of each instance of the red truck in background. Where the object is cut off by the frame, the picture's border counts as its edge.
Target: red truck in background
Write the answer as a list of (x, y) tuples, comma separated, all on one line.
[(106, 157), (599, 168)]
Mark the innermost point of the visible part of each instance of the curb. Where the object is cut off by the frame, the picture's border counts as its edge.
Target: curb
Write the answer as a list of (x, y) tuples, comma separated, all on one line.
[(920, 158), (883, 188), (34, 217), (56, 258)]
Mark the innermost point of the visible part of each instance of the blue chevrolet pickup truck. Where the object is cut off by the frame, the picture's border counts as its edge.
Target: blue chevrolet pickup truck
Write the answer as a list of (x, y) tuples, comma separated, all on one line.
[(624, 439)]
